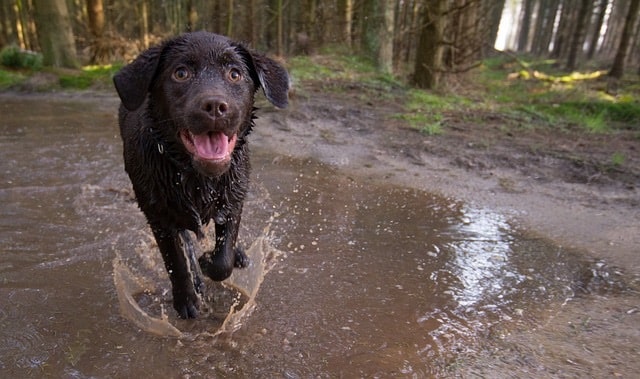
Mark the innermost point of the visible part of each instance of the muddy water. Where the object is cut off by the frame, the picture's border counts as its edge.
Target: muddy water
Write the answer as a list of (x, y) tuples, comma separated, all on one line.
[(360, 278)]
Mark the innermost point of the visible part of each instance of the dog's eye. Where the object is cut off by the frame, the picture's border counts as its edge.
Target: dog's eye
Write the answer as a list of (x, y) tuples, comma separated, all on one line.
[(181, 74), (234, 75)]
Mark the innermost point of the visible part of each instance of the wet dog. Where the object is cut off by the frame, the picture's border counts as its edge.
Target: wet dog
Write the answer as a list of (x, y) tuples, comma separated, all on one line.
[(187, 107)]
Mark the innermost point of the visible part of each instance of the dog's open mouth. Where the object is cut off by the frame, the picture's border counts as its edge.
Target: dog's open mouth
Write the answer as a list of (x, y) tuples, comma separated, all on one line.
[(210, 146)]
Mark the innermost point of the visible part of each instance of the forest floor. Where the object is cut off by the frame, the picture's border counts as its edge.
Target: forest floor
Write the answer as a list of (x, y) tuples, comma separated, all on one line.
[(559, 183)]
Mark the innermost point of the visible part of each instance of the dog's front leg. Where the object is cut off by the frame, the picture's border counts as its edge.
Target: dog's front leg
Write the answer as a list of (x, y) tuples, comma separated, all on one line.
[(185, 299), (219, 264)]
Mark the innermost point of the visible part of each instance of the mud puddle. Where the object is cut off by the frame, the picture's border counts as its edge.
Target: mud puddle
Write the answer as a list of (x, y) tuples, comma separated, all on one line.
[(351, 277)]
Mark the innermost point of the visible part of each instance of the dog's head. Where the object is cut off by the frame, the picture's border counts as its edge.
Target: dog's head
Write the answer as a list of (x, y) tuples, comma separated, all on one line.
[(200, 88)]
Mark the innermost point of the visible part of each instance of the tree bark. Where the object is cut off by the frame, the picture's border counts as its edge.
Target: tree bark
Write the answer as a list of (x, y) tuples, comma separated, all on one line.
[(385, 36), (525, 28), (99, 50), (377, 33), (495, 14), (55, 34), (579, 34), (565, 26), (429, 54), (593, 44), (617, 69)]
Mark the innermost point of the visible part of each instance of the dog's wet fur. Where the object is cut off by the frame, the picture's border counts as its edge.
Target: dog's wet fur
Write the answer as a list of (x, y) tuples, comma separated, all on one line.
[(187, 109)]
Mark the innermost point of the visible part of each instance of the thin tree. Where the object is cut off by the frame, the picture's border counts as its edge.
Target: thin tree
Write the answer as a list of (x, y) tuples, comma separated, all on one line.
[(525, 28), (579, 34), (385, 37), (617, 69), (595, 36)]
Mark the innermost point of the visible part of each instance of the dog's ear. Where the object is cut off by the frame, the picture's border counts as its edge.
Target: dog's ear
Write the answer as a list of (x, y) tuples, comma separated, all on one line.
[(269, 75), (133, 80)]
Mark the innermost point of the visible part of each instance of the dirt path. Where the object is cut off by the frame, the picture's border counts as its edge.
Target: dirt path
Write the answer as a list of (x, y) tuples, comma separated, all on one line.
[(559, 184)]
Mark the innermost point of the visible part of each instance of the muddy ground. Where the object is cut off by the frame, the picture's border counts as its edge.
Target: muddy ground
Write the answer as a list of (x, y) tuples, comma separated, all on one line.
[(557, 183)]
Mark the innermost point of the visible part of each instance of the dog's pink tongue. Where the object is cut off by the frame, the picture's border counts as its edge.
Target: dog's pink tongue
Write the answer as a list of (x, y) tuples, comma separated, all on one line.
[(211, 145)]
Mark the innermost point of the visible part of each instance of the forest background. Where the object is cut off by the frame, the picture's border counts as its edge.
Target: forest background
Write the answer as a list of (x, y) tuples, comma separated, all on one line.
[(421, 41), (559, 62)]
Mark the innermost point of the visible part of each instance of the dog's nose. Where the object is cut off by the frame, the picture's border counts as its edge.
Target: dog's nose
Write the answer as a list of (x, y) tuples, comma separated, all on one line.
[(215, 107)]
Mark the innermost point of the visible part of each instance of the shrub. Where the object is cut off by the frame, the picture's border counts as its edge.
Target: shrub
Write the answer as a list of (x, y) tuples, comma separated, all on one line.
[(14, 57)]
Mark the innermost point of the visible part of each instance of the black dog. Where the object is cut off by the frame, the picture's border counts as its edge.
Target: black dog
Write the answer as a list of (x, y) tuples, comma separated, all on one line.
[(187, 108)]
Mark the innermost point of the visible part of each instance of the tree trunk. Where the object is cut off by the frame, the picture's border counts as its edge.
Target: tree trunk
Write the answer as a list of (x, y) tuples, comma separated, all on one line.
[(617, 69), (98, 47), (280, 32), (385, 36), (370, 28), (229, 29), (377, 33), (565, 26), (593, 44), (145, 23), (579, 34), (495, 14), (54, 33), (192, 16), (429, 54), (345, 9), (525, 26)]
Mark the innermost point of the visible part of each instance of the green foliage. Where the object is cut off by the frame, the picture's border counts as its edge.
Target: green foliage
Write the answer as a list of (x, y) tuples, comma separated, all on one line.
[(339, 68), (16, 58), (304, 68), (89, 76), (426, 110), (10, 78), (557, 99), (618, 159)]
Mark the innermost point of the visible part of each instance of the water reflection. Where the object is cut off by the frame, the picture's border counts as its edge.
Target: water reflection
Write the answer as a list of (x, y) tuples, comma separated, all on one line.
[(481, 247)]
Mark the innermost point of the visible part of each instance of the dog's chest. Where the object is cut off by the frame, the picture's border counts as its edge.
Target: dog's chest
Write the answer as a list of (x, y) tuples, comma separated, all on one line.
[(204, 197)]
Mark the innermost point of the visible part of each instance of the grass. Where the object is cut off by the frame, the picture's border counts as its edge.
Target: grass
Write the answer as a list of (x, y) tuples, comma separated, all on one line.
[(526, 93), (9, 79), (618, 159), (336, 68), (545, 96), (85, 78), (426, 111), (88, 76)]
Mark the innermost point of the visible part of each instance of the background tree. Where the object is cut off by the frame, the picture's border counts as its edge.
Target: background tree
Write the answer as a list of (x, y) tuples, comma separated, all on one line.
[(617, 68), (595, 33), (99, 48), (428, 64), (426, 41), (579, 33), (55, 34)]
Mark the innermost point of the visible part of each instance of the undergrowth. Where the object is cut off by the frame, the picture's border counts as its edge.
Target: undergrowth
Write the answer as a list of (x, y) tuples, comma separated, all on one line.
[(548, 97), (525, 92)]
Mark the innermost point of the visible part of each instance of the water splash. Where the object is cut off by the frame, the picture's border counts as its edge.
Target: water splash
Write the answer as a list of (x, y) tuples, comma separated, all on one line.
[(242, 286)]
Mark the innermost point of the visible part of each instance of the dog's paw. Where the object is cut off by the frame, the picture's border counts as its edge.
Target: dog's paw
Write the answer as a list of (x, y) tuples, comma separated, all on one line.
[(216, 269), (186, 304), (241, 259)]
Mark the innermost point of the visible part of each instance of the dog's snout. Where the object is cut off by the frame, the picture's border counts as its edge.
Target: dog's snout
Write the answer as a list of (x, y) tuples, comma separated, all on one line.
[(214, 107)]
